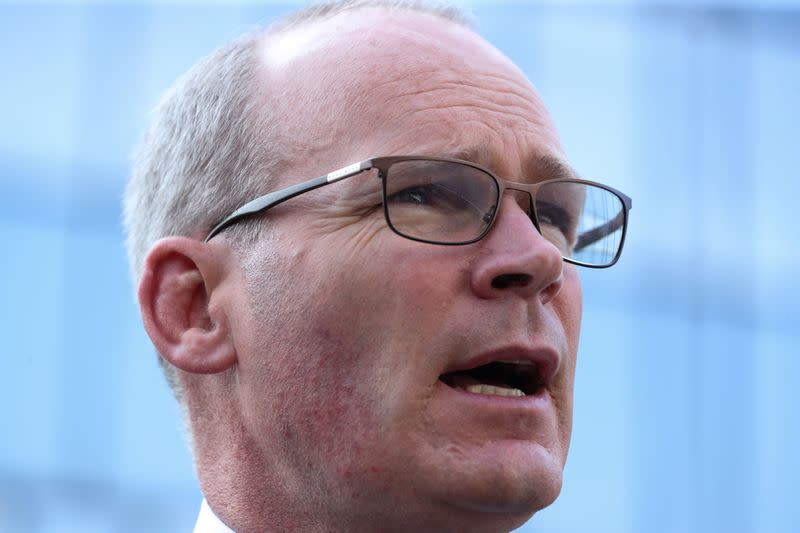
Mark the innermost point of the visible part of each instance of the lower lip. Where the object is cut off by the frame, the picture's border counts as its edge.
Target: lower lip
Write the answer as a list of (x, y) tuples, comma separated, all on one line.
[(540, 400)]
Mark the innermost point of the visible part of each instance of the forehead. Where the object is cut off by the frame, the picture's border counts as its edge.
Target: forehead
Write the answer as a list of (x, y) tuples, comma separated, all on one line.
[(377, 82)]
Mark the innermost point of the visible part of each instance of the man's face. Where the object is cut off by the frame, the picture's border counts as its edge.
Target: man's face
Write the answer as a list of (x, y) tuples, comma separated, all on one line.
[(356, 346)]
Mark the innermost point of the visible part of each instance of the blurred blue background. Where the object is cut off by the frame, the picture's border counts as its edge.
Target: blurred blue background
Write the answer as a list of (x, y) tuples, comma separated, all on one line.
[(687, 394)]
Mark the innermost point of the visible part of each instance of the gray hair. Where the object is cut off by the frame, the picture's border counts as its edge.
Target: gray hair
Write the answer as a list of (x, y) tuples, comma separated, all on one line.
[(210, 148)]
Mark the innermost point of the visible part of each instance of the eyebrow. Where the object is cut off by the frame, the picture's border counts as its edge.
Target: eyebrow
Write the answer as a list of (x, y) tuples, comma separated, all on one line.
[(535, 166), (549, 167)]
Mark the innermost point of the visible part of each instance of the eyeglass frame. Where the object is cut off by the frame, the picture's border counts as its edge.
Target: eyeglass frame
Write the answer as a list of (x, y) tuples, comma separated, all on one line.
[(382, 164)]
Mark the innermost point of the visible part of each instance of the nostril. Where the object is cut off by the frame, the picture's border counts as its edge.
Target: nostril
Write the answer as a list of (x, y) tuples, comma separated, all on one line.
[(504, 281)]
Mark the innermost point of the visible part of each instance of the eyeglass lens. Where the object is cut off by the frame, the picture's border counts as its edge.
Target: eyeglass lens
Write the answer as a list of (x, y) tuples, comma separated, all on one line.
[(447, 202)]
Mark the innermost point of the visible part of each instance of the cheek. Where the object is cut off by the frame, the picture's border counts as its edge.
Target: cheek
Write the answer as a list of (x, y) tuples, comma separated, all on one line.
[(328, 396), (325, 377), (313, 411), (298, 374)]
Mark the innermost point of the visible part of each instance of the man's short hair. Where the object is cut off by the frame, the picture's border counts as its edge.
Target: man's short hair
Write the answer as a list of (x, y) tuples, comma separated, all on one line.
[(211, 145)]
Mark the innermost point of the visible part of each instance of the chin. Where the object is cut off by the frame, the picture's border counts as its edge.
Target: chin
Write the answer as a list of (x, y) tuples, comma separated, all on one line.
[(517, 498), (501, 497)]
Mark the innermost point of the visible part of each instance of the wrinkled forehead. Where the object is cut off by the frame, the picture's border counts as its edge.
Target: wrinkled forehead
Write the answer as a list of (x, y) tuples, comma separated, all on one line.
[(373, 79)]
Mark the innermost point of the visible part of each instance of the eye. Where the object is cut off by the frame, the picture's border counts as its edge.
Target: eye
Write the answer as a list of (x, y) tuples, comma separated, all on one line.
[(555, 216), (437, 196), (412, 195), (557, 226)]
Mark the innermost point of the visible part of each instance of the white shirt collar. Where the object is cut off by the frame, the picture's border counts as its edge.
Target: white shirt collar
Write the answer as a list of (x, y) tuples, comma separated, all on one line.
[(208, 522)]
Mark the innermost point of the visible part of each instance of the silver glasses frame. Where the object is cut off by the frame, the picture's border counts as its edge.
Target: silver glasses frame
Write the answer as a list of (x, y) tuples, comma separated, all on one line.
[(382, 164)]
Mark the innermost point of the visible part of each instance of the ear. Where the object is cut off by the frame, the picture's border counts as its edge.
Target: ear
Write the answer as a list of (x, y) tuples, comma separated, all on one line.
[(179, 306)]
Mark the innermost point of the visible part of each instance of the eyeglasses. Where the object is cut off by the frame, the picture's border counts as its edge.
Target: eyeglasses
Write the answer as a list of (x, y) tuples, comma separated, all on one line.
[(454, 202)]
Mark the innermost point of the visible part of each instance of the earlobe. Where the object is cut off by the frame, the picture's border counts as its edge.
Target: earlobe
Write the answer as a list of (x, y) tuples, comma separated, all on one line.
[(176, 293)]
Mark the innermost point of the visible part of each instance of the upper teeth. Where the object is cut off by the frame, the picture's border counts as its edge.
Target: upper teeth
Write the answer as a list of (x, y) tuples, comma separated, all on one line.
[(493, 389)]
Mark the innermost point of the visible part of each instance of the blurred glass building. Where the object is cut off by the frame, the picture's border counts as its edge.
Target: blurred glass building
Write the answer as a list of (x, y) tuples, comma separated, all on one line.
[(688, 385)]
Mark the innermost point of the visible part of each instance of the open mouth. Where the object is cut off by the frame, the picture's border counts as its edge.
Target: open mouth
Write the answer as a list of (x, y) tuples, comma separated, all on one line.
[(498, 378)]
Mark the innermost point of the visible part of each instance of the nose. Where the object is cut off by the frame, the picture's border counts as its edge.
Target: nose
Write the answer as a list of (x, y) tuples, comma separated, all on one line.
[(515, 259)]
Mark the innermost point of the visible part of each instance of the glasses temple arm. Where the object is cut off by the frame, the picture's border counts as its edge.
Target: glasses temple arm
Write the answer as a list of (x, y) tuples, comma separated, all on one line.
[(262, 203)]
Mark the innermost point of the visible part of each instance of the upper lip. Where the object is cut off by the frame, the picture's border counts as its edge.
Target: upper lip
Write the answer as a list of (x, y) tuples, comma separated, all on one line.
[(544, 358)]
